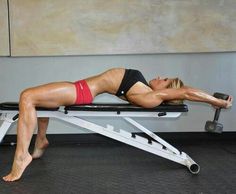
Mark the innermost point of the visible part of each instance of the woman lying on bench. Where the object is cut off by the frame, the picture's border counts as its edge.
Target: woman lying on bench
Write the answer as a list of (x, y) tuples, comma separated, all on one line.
[(128, 84)]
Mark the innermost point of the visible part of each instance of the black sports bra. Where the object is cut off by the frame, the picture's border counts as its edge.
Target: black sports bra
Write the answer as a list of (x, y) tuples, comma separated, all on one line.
[(130, 78)]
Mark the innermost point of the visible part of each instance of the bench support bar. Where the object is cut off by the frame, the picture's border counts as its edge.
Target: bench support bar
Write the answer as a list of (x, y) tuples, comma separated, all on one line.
[(158, 146)]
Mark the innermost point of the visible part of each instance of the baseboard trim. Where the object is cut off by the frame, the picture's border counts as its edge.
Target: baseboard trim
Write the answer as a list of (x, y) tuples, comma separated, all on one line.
[(93, 138)]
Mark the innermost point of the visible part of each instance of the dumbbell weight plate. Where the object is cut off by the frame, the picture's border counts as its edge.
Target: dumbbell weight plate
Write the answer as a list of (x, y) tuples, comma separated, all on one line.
[(213, 127)]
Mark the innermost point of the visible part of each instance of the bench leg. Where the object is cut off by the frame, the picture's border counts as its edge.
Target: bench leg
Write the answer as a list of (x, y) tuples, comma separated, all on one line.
[(136, 141), (8, 119), (3, 129)]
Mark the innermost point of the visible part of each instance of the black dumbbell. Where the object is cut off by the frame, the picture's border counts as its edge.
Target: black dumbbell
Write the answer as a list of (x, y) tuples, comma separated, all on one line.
[(214, 126)]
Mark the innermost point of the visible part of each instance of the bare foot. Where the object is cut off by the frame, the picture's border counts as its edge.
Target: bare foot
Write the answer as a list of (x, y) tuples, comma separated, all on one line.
[(18, 167), (40, 147)]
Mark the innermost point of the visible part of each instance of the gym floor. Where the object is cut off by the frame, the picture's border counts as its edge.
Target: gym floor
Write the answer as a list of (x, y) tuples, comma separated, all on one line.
[(109, 167)]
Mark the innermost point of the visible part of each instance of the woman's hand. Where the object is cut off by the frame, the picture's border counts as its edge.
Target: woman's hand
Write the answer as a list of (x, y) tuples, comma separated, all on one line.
[(224, 103), (229, 102)]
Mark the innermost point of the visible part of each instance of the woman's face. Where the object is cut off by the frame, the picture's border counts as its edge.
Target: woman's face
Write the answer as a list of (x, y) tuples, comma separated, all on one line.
[(159, 83)]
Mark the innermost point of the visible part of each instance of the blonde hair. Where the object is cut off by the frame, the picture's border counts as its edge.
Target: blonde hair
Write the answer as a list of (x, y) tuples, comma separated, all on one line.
[(176, 83)]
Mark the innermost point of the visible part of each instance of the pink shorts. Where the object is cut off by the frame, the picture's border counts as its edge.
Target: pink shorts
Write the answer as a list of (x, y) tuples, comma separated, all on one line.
[(83, 94)]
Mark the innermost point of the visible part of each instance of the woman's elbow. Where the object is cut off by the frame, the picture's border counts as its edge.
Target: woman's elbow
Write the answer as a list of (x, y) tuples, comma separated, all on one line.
[(152, 104)]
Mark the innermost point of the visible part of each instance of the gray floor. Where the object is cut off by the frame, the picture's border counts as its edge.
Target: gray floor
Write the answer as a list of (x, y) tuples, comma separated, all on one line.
[(121, 169)]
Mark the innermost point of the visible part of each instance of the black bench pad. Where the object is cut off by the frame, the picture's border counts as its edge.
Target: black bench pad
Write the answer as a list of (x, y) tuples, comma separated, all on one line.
[(127, 107), (15, 106)]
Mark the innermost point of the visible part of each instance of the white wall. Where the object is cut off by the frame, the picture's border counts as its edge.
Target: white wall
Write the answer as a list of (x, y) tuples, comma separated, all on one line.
[(210, 71)]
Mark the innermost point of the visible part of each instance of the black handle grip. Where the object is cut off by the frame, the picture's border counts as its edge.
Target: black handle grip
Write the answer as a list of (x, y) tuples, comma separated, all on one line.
[(221, 96)]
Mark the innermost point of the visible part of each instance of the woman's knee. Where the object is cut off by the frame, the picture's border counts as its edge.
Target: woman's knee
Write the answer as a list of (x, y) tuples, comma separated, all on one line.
[(26, 97)]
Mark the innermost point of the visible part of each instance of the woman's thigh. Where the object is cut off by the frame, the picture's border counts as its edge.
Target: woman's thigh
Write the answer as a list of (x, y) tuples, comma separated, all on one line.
[(53, 94)]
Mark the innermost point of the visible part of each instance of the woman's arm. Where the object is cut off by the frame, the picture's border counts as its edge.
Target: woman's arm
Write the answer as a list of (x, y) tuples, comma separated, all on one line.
[(194, 94), (155, 98)]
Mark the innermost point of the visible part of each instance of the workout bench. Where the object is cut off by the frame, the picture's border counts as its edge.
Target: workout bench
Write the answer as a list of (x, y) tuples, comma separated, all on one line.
[(9, 113)]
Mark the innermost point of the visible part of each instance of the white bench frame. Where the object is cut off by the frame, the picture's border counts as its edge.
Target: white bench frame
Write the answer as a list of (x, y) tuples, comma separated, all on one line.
[(158, 147)]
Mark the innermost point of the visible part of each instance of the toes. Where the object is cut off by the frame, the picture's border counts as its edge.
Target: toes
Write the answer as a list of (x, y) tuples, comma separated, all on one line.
[(6, 178), (10, 178)]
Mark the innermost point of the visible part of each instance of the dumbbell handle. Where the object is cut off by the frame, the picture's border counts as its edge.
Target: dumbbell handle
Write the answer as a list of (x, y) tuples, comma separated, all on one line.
[(220, 96), (217, 114)]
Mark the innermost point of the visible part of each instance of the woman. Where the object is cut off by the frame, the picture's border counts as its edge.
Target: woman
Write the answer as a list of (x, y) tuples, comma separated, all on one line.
[(127, 84)]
